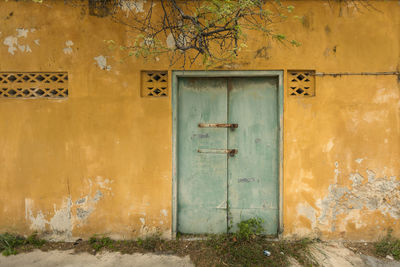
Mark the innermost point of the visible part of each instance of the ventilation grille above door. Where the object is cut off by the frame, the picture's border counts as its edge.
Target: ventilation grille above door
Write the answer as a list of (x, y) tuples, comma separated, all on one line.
[(154, 83), (33, 84), (301, 82)]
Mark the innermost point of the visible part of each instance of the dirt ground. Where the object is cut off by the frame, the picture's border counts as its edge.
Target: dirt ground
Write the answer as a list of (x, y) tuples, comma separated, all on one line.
[(68, 258), (196, 253)]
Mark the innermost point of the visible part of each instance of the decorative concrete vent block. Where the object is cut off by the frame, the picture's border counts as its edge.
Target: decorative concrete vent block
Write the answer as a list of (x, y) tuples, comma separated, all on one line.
[(33, 84), (154, 83), (301, 82)]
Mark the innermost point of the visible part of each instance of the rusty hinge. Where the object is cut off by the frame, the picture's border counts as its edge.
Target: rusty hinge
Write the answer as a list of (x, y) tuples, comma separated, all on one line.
[(231, 152), (218, 125)]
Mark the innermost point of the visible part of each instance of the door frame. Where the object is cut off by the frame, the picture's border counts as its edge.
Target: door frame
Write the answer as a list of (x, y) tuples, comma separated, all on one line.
[(215, 74)]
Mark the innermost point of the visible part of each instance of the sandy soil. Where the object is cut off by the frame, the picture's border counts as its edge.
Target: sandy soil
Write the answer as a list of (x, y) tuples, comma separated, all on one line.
[(68, 258)]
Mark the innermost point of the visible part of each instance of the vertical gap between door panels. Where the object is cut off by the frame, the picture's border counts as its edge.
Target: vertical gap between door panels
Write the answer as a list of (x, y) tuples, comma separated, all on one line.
[(228, 88)]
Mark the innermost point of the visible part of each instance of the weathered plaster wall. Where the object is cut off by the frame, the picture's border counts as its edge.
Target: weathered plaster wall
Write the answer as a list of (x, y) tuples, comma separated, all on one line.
[(100, 161)]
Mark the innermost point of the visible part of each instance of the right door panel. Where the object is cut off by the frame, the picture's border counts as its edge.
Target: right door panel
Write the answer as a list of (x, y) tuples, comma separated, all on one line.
[(253, 187)]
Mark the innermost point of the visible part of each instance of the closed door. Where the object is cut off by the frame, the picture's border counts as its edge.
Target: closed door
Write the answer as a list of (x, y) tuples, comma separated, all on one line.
[(228, 153)]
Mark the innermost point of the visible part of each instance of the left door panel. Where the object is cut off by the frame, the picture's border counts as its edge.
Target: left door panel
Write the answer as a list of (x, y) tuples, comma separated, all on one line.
[(202, 183)]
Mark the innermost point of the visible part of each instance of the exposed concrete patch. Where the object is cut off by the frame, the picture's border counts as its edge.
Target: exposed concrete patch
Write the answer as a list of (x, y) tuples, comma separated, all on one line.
[(68, 49), (374, 194), (82, 214), (38, 223), (164, 212), (97, 196), (102, 62), (81, 201), (308, 212), (71, 214), (367, 193), (104, 183), (61, 223), (359, 160), (132, 6), (170, 41), (14, 42), (22, 33)]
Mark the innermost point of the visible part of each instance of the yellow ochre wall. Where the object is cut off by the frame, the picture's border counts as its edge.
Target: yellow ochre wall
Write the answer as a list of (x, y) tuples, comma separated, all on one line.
[(100, 161)]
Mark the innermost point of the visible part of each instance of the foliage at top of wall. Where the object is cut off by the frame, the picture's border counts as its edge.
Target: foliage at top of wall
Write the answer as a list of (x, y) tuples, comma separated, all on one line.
[(209, 31)]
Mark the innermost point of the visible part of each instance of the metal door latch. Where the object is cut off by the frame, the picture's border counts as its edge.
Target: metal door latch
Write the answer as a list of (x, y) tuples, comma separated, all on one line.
[(218, 125), (230, 152)]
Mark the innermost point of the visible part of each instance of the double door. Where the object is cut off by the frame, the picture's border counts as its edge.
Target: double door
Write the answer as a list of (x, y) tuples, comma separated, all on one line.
[(228, 153)]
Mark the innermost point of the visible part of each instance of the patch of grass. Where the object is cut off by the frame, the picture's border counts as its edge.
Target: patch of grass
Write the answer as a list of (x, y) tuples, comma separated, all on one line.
[(34, 240), (388, 246), (9, 243), (102, 242), (249, 228)]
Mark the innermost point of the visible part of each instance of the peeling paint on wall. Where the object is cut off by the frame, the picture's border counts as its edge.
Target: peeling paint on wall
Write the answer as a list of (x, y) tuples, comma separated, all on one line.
[(102, 63), (12, 43), (164, 212), (367, 193), (18, 42), (61, 222), (170, 41), (359, 160), (132, 5), (38, 223), (308, 212), (69, 215), (68, 50), (372, 194)]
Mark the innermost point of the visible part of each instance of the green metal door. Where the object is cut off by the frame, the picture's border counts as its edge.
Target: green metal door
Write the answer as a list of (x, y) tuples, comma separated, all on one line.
[(228, 153)]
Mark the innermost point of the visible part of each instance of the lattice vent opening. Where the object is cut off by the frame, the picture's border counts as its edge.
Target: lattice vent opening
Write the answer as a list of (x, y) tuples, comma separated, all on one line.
[(301, 82), (33, 84), (154, 83)]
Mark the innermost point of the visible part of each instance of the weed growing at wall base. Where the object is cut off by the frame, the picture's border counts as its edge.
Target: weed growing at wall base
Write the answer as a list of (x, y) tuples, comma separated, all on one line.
[(99, 243), (249, 228), (10, 242), (388, 246)]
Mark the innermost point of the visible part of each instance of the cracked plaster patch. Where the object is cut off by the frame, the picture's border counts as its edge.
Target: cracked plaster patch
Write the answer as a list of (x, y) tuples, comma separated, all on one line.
[(68, 49), (14, 42), (367, 193), (70, 214), (101, 61)]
